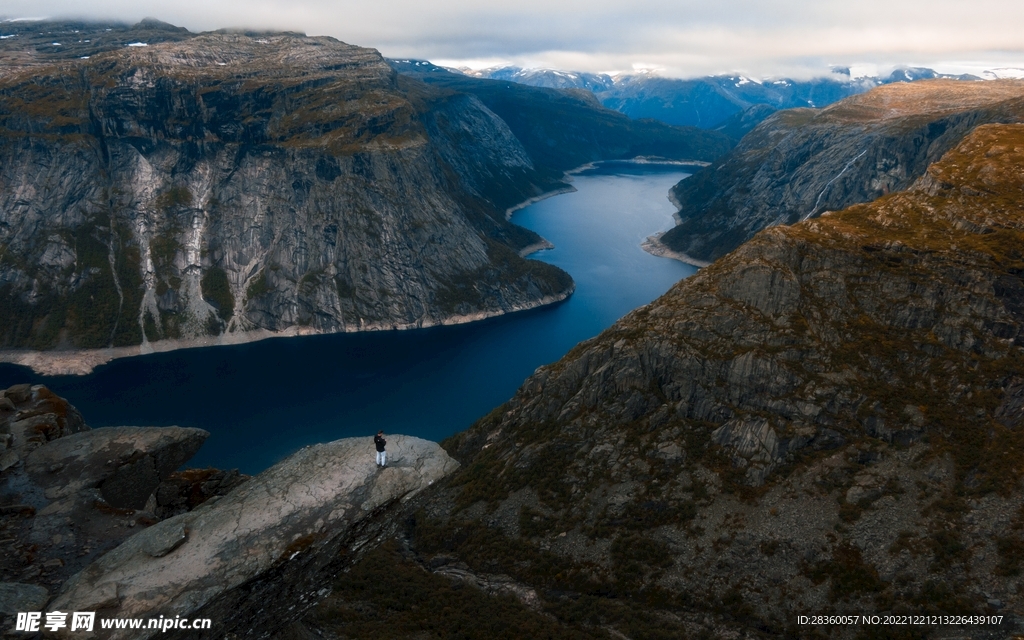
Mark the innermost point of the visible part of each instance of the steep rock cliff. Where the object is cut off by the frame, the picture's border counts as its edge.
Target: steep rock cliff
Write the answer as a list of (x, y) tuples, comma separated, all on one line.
[(800, 163), (230, 185), (827, 420)]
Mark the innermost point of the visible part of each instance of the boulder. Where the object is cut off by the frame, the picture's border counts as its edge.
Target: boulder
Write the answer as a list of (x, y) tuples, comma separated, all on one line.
[(753, 442), (255, 559), (125, 463), (31, 415), (16, 597), (82, 493)]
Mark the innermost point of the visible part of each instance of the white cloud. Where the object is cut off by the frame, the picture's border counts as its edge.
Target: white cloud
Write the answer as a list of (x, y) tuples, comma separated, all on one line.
[(680, 37)]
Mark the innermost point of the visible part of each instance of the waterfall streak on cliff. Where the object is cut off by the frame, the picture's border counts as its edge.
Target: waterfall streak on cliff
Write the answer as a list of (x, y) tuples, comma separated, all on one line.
[(112, 259), (829, 183)]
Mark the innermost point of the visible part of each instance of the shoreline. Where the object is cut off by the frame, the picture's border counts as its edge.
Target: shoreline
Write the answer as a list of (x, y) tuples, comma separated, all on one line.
[(675, 203), (529, 249), (81, 362), (84, 361), (535, 199), (651, 160), (654, 246), (568, 177)]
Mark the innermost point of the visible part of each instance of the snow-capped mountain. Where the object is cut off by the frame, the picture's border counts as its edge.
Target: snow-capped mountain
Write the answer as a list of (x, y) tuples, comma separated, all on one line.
[(1003, 72), (709, 102)]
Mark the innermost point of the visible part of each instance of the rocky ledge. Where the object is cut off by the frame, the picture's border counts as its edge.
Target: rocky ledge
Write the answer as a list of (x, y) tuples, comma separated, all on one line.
[(255, 559), (102, 518)]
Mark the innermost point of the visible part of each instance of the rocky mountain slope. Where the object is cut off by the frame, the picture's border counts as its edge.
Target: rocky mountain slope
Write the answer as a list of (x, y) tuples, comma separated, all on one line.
[(799, 163), (236, 184), (827, 420), (222, 187)]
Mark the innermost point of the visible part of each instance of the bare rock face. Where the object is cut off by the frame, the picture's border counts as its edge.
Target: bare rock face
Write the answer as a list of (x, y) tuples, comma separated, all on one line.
[(753, 443), (31, 416), (228, 187), (185, 490), (255, 559), (125, 463), (800, 163)]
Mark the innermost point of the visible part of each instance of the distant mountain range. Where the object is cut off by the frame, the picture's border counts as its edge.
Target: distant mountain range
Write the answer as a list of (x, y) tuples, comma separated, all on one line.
[(709, 102)]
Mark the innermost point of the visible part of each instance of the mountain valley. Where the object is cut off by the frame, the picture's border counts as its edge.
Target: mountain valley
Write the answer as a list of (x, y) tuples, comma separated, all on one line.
[(826, 419)]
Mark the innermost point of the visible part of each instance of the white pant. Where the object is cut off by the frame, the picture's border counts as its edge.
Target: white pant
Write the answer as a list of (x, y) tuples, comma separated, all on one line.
[(382, 458)]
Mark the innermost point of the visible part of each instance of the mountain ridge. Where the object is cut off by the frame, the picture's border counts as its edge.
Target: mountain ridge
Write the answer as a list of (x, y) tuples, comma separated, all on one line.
[(565, 129), (708, 102)]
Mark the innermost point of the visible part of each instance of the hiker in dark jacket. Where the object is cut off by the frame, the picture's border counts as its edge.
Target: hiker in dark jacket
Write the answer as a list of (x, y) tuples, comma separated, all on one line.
[(382, 455)]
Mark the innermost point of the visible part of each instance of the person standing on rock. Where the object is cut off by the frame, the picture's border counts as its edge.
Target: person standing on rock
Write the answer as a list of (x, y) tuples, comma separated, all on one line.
[(382, 455)]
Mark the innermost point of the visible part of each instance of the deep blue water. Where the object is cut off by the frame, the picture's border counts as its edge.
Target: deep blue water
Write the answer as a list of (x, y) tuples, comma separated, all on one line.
[(264, 400)]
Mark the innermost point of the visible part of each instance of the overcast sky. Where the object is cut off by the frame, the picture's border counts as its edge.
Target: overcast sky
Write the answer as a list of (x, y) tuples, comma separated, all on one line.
[(678, 37)]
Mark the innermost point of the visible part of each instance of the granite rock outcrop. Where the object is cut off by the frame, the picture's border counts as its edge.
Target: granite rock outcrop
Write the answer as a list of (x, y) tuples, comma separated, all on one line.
[(257, 558), (69, 493), (105, 520)]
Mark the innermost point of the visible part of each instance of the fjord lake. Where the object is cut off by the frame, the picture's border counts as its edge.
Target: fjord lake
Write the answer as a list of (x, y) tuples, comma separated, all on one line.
[(264, 400)]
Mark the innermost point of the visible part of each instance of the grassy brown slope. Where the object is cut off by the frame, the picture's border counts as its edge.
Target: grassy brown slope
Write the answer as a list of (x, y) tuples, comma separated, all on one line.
[(829, 419), (923, 99)]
